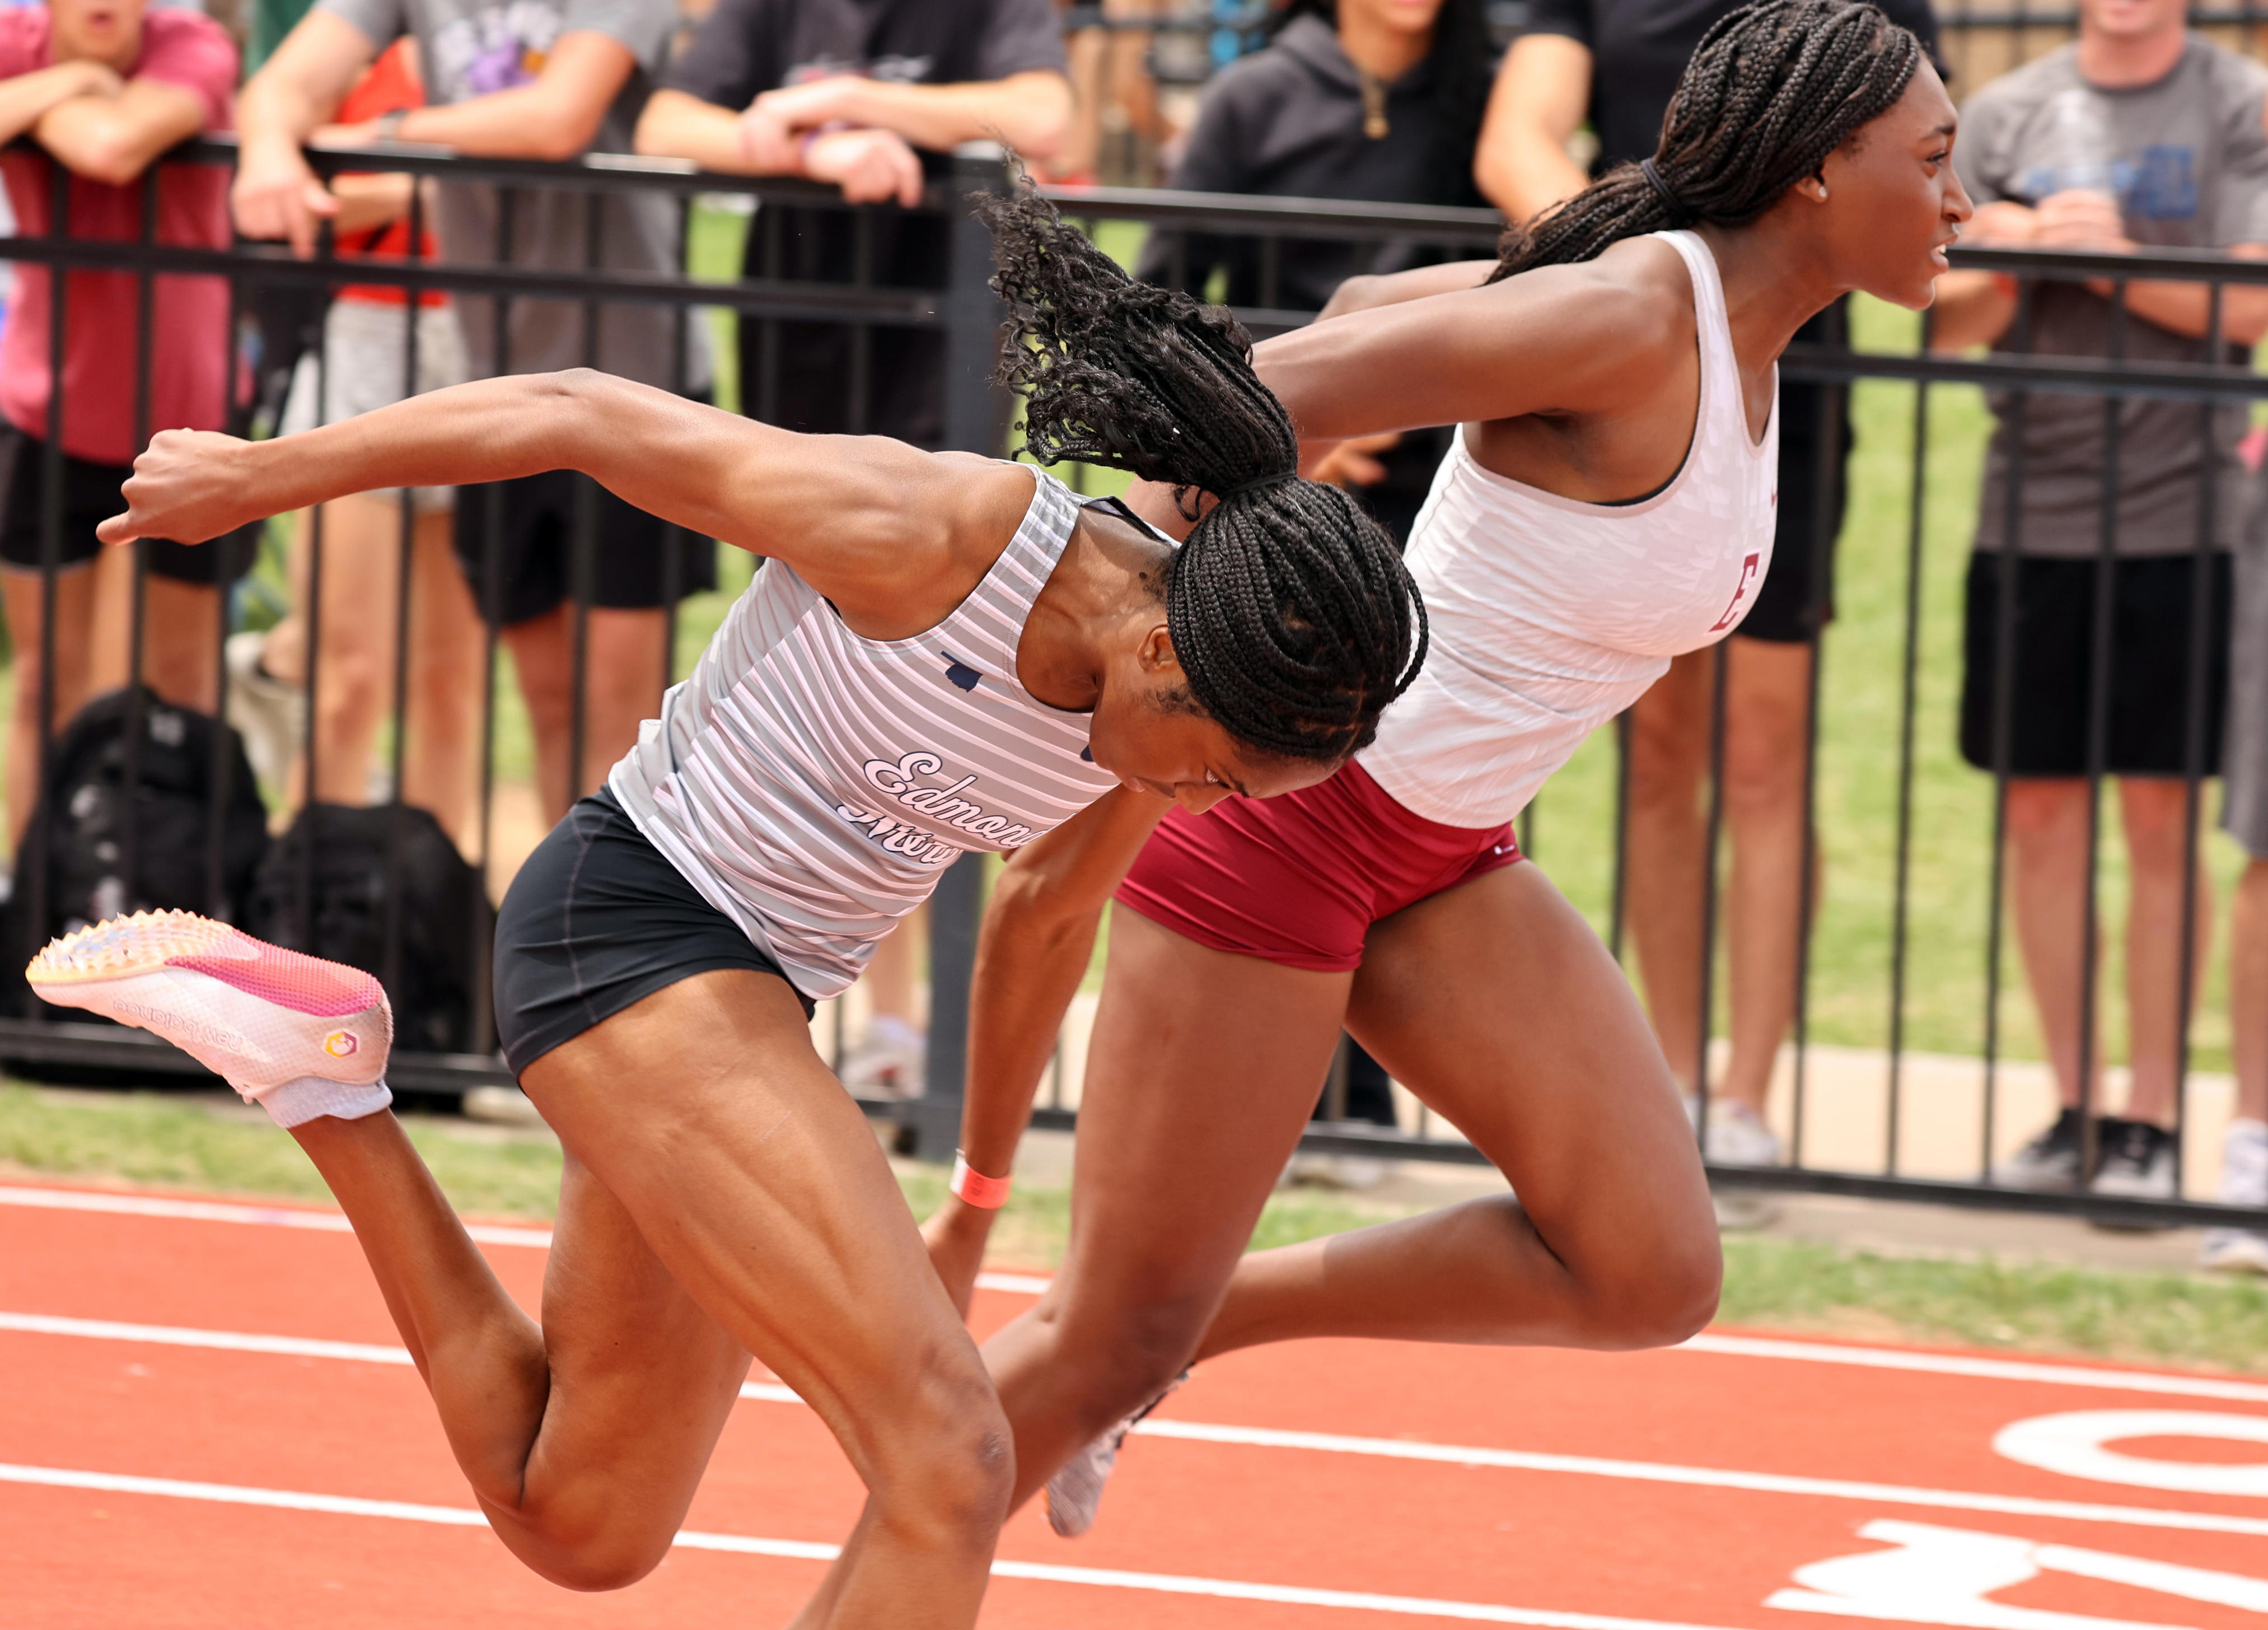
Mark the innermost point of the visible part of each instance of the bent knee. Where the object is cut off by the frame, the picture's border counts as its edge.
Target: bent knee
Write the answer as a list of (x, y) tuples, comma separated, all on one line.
[(1125, 1354), (610, 1556), (942, 1461), (1671, 1301)]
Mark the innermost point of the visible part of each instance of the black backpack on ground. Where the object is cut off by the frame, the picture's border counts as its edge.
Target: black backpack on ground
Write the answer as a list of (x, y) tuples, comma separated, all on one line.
[(442, 909), (83, 819)]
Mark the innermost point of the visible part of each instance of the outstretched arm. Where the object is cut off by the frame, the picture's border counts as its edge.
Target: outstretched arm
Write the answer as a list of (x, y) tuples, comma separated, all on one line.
[(894, 536), (1031, 955)]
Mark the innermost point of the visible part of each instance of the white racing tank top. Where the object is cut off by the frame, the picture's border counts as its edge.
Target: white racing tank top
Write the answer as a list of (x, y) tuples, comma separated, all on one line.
[(1549, 617), (814, 784)]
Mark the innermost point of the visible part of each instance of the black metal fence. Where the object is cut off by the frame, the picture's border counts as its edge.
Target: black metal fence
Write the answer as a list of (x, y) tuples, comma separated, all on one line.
[(954, 302)]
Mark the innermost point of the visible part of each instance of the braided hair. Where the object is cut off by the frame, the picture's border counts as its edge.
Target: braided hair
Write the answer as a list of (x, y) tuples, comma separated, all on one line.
[(1772, 89), (1290, 610)]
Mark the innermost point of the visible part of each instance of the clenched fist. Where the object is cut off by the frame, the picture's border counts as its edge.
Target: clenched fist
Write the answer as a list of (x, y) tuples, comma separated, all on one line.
[(189, 485)]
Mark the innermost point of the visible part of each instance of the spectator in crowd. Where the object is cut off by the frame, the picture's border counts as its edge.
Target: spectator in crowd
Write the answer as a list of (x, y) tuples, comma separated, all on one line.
[(2244, 764), (2138, 133), (536, 79), (103, 89), (1114, 99), (1614, 63), (856, 96), (364, 366), (1379, 100)]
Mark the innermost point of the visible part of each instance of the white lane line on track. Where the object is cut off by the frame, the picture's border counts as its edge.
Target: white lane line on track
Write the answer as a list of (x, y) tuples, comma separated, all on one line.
[(1106, 1578), (1032, 1285), (1321, 1442)]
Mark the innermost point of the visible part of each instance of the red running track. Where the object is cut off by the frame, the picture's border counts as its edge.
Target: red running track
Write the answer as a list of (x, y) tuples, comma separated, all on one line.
[(208, 1422)]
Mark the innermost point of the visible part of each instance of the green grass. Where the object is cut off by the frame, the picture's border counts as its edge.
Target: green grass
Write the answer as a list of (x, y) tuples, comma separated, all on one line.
[(169, 1140)]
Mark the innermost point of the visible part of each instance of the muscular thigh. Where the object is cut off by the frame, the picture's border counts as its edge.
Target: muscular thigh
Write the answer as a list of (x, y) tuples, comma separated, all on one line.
[(1202, 1069), (1496, 1004), (756, 1181)]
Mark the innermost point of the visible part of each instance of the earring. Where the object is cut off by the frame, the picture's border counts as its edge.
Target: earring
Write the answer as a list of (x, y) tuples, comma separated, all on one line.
[(1823, 192)]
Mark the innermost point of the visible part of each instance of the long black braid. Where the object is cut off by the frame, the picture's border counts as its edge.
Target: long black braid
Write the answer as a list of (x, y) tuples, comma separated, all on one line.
[(1290, 610), (1772, 89)]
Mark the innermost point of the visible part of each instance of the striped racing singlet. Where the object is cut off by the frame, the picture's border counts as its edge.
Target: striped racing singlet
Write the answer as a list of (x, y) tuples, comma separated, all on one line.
[(814, 784), (1552, 615)]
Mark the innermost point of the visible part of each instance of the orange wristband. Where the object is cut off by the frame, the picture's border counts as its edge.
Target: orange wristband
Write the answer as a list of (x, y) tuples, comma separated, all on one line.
[(972, 1187)]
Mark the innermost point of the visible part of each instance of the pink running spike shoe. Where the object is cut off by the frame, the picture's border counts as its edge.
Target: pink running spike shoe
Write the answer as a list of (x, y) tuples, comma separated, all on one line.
[(296, 1035)]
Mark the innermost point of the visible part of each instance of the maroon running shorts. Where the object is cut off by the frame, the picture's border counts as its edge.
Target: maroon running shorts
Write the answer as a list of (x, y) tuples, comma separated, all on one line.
[(1299, 880)]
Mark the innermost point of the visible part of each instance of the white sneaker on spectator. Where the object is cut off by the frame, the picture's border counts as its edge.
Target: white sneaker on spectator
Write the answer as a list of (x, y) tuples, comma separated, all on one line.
[(2243, 1182), (1737, 1134), (887, 1061), (2050, 1161), (270, 715), (2136, 1161)]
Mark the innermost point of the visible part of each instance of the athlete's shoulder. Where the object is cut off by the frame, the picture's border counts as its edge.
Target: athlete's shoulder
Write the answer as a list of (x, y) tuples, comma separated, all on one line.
[(1644, 288)]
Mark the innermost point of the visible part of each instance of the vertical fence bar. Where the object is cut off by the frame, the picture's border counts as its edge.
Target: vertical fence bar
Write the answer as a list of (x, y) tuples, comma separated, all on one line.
[(584, 549), (137, 611), (1825, 521), (858, 412), (397, 825), (311, 806), (222, 768), (674, 538), (1619, 884), (2100, 659), (1909, 696), (51, 539), (491, 627), (1705, 1002), (2004, 701), (2203, 590), (975, 422)]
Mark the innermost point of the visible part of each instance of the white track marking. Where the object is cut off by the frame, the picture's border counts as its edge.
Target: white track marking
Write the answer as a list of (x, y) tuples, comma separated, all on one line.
[(1321, 1442), (217, 1211), (225, 1340), (1983, 1369), (1106, 1578), (1033, 1285)]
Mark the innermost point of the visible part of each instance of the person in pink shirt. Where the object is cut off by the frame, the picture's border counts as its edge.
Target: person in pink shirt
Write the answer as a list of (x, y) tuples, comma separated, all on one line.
[(104, 89)]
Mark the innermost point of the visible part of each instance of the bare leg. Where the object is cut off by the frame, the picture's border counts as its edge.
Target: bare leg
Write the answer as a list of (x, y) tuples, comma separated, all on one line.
[(74, 611), (1204, 1064), (1669, 831), (622, 687), (1767, 711), (1200, 1075), (2154, 814), (2047, 856), (440, 767), (2248, 990), (722, 1197), (180, 656), (1612, 1242)]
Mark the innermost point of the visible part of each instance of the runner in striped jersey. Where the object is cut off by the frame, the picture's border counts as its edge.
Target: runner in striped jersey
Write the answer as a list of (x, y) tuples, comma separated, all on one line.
[(943, 654), (1607, 504)]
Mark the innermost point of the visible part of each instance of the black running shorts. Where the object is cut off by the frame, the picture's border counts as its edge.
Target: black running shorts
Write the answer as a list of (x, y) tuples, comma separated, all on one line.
[(598, 919)]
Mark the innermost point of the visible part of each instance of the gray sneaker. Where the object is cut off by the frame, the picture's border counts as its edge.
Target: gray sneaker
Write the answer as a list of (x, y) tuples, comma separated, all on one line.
[(2050, 1161), (2136, 1162), (1074, 1494)]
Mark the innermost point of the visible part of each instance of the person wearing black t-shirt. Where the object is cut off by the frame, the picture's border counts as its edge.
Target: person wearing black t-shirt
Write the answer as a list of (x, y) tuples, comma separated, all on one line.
[(868, 95), (1612, 65), (1373, 99)]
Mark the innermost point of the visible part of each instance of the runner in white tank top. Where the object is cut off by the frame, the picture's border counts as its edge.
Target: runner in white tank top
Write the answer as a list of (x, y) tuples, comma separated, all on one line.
[(1607, 505), (1551, 615), (944, 654)]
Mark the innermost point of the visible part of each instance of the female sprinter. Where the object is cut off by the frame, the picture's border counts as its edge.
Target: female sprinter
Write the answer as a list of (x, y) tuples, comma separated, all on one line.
[(1607, 504), (944, 653)]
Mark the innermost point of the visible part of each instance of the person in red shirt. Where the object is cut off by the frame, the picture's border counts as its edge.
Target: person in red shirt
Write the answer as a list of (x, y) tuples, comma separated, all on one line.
[(366, 359), (104, 90)]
